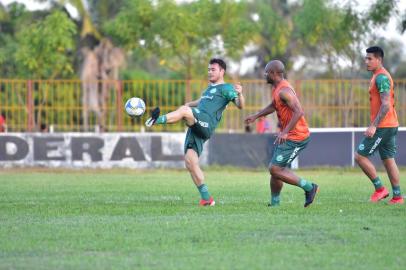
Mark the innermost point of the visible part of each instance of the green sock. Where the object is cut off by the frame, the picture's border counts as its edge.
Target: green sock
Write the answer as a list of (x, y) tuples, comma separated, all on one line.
[(396, 191), (204, 192), (161, 120), (377, 183), (305, 184), (275, 199)]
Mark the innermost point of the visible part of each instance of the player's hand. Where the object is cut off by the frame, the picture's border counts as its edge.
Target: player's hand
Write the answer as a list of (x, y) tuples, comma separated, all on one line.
[(370, 132), (238, 88), (281, 138), (250, 119)]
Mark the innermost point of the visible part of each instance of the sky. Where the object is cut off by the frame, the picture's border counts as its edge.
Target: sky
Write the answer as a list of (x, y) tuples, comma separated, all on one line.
[(30, 4)]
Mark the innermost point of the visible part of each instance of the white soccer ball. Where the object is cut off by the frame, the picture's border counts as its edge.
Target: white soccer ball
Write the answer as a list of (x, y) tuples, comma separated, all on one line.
[(135, 106)]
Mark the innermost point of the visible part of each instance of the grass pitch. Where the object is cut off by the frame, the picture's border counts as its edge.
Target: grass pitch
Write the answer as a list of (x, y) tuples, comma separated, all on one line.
[(150, 220)]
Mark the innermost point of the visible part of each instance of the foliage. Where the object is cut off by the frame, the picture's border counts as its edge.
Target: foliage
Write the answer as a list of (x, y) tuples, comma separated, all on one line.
[(274, 36), (186, 35), (13, 19), (180, 36), (381, 10), (44, 47), (313, 29), (132, 25), (328, 32)]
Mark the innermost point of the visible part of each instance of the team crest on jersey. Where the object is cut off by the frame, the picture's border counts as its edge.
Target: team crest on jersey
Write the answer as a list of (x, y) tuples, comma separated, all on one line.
[(279, 158), (212, 91), (361, 147)]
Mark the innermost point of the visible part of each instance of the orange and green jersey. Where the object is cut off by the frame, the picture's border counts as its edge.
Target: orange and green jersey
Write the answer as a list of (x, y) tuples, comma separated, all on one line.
[(300, 131), (381, 82)]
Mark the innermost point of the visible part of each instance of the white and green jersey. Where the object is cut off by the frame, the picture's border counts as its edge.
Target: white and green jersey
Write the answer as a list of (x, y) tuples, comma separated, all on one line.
[(214, 100)]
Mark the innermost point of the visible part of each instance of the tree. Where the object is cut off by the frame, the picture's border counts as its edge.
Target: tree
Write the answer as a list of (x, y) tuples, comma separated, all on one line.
[(44, 47), (13, 19), (183, 35), (274, 39), (330, 33), (85, 20), (314, 29)]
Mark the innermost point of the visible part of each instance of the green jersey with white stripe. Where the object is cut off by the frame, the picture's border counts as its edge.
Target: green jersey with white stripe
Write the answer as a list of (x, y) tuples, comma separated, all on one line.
[(214, 100)]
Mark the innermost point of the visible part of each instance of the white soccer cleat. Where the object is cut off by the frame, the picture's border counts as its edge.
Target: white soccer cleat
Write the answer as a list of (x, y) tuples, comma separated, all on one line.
[(150, 122)]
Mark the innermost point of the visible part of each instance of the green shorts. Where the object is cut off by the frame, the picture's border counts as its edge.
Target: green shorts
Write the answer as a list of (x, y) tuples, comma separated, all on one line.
[(383, 140), (199, 133), (285, 153)]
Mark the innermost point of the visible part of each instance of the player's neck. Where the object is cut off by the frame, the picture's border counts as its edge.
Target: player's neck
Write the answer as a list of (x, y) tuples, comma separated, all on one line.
[(377, 69), (277, 82), (217, 82)]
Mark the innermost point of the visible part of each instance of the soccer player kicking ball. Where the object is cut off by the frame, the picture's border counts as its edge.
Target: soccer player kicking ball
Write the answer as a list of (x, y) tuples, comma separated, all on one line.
[(381, 134), (293, 137), (202, 117)]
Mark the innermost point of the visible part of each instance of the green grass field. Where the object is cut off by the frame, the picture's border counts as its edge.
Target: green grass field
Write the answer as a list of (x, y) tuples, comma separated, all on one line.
[(150, 220)]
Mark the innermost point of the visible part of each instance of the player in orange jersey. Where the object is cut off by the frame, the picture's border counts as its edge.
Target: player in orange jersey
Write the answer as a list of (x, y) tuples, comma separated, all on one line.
[(381, 133), (292, 139)]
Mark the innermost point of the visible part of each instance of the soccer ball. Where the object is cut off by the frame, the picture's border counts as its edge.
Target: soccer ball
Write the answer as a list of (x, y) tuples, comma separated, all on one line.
[(135, 106)]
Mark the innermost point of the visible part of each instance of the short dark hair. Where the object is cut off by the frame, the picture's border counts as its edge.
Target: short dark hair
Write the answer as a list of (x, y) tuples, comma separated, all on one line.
[(218, 61), (377, 51)]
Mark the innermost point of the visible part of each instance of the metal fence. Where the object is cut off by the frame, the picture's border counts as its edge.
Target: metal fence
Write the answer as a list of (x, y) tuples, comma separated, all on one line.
[(63, 105)]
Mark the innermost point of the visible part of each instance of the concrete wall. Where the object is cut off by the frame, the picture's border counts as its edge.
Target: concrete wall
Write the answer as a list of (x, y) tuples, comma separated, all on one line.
[(90, 150), (152, 150), (328, 147)]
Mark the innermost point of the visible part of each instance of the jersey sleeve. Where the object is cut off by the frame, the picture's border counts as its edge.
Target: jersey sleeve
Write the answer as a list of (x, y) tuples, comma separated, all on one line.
[(229, 92), (382, 83)]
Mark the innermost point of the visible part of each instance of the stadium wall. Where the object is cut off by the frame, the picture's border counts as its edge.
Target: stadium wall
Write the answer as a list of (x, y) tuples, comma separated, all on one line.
[(328, 147), (92, 150)]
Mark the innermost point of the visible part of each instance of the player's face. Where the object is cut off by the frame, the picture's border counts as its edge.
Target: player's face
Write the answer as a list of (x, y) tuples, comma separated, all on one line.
[(268, 75), (372, 62), (215, 73)]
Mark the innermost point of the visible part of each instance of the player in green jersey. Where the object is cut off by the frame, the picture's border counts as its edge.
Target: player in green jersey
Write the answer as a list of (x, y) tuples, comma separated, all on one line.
[(202, 117)]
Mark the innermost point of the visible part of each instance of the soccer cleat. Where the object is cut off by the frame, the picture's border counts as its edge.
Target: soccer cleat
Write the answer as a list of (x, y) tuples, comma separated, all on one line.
[(379, 194), (309, 195), (397, 200), (154, 116), (209, 202), (273, 205)]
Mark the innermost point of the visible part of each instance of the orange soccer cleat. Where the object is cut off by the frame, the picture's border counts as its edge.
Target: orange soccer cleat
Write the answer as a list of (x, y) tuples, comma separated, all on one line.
[(379, 194), (209, 202), (397, 200)]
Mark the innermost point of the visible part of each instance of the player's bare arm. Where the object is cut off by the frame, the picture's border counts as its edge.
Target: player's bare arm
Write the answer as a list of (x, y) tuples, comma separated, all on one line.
[(383, 110), (293, 103), (264, 112), (193, 103), (239, 101)]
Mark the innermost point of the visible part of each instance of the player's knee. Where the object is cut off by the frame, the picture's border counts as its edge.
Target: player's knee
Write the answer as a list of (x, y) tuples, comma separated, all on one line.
[(189, 163), (357, 158), (274, 170), (184, 109)]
